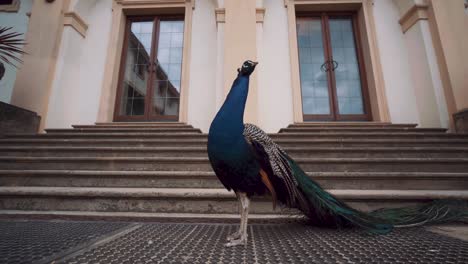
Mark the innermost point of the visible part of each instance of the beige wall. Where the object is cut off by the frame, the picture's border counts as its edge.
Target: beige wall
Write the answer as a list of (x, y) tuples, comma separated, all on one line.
[(425, 71), (393, 51), (413, 78), (450, 29), (240, 44), (425, 83), (76, 86), (34, 79), (203, 66), (275, 104)]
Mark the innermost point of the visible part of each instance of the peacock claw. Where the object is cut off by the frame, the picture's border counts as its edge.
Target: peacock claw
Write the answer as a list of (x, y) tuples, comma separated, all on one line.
[(234, 236), (236, 242)]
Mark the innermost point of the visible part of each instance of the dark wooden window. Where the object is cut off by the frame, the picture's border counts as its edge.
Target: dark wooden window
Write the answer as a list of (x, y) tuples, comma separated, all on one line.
[(333, 85), (151, 69), (6, 2)]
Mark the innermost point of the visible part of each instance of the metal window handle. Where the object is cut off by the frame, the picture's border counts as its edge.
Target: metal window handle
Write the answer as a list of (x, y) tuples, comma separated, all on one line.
[(149, 67), (325, 67), (335, 65)]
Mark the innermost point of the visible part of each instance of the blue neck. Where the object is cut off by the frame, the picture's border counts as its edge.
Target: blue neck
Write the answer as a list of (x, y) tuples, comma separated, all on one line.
[(230, 118)]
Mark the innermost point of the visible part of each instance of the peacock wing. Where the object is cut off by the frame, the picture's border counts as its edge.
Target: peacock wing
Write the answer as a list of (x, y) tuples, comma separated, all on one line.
[(274, 162)]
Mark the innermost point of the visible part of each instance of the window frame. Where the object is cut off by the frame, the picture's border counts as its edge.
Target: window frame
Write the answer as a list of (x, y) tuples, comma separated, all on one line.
[(13, 7), (334, 115), (149, 114)]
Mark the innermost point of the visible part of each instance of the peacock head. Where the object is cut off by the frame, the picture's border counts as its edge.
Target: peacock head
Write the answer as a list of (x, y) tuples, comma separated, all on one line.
[(247, 68)]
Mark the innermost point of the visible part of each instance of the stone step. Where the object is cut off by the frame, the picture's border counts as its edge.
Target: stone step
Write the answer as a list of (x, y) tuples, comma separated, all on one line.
[(202, 164), (155, 130), (305, 129), (202, 141), (350, 124), (207, 179), (89, 142), (140, 123), (295, 152), (135, 125), (114, 135), (374, 135), (172, 200), (275, 137), (153, 217)]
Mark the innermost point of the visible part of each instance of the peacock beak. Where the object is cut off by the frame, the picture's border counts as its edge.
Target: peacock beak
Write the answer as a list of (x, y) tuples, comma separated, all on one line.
[(255, 63)]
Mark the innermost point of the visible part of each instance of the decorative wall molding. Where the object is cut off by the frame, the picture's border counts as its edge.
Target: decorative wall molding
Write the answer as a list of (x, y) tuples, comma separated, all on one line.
[(13, 7), (413, 15), (220, 14), (321, 2), (260, 14), (156, 3), (73, 20)]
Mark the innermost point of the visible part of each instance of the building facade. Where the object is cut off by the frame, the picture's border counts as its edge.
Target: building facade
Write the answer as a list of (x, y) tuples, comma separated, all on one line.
[(400, 61)]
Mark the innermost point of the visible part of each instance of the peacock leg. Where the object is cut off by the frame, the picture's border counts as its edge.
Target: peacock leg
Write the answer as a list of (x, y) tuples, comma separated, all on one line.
[(242, 240), (237, 234)]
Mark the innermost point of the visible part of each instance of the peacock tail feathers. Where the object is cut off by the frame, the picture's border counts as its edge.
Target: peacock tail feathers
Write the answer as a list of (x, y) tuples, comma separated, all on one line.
[(435, 212), (323, 209)]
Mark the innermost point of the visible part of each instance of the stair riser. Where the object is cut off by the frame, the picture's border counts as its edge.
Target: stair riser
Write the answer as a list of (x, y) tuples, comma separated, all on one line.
[(276, 137), (192, 153), (363, 135), (388, 183), (202, 143), (114, 143), (132, 126), (146, 129), (167, 205), (125, 204), (114, 136), (205, 166), (348, 124), (124, 130), (386, 167), (359, 130)]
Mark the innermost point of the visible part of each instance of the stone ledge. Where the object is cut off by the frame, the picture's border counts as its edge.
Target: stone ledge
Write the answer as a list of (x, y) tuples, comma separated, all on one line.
[(461, 121), (146, 216), (15, 119), (221, 194)]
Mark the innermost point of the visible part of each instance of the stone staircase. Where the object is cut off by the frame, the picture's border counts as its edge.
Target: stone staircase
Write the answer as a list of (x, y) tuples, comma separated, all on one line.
[(161, 170)]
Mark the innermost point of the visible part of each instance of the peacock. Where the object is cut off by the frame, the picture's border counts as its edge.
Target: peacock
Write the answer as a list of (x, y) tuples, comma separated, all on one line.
[(247, 161)]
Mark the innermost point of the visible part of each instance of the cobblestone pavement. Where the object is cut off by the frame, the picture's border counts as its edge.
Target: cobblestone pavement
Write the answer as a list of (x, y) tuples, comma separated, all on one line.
[(119, 242)]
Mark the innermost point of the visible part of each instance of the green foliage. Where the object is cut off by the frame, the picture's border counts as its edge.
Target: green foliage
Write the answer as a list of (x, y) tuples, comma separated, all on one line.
[(11, 46)]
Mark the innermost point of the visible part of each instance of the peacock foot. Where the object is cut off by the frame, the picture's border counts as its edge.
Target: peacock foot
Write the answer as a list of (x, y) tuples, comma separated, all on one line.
[(234, 236), (237, 242)]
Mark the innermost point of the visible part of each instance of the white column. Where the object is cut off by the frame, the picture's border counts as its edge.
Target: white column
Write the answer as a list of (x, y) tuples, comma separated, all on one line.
[(425, 73), (220, 55)]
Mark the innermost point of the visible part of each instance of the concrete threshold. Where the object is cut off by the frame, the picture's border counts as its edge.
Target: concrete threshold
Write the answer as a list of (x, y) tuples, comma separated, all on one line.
[(215, 193), (142, 216)]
